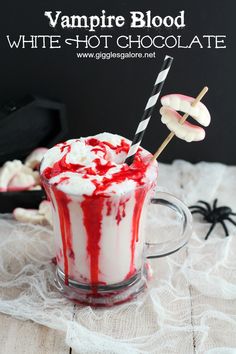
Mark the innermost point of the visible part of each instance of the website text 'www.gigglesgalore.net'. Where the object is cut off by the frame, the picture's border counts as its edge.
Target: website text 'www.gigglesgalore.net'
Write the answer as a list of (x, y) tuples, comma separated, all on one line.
[(115, 55)]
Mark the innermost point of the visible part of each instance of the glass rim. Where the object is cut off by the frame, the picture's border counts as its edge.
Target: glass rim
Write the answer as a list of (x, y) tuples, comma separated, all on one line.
[(104, 194)]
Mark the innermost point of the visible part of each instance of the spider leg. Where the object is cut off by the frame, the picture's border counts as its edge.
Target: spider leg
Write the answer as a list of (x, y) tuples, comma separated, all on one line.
[(198, 208), (214, 203), (225, 228), (209, 231), (206, 204), (231, 220), (198, 212), (232, 213)]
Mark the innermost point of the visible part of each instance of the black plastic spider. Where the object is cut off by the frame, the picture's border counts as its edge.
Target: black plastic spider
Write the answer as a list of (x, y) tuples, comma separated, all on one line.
[(214, 215)]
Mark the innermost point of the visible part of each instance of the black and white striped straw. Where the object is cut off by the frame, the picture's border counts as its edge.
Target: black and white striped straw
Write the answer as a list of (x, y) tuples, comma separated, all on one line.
[(149, 109)]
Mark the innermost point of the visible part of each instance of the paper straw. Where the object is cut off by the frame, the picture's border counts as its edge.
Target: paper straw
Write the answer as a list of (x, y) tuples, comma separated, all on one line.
[(149, 109)]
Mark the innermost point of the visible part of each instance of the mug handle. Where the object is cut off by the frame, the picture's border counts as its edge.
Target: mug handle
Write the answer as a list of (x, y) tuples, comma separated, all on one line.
[(161, 249)]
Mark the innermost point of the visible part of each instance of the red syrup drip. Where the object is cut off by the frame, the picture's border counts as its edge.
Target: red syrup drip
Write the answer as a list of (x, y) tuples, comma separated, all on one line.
[(64, 146), (92, 205), (101, 169), (121, 210), (65, 227), (140, 195), (109, 207), (60, 167), (123, 147), (94, 230), (64, 218)]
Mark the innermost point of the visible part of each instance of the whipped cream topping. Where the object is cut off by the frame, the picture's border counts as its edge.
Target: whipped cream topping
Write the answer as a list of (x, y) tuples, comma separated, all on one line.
[(95, 165)]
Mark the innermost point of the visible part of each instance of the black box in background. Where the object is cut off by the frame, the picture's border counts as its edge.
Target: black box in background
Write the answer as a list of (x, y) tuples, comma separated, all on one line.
[(25, 125)]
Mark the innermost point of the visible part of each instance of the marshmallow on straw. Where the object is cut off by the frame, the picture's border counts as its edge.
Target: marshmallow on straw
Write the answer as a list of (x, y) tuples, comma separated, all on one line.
[(183, 119), (149, 109)]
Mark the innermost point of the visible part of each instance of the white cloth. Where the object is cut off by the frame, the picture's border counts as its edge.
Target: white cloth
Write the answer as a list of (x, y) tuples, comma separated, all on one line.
[(190, 306)]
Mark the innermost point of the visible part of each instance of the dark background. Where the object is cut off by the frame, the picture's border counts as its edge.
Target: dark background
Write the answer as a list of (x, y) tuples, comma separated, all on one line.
[(110, 95)]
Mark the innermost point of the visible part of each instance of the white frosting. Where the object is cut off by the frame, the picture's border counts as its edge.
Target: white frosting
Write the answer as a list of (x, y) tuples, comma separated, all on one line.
[(74, 183), (83, 154)]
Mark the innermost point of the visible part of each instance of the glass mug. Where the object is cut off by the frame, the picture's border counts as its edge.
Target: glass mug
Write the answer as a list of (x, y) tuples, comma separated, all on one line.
[(101, 251)]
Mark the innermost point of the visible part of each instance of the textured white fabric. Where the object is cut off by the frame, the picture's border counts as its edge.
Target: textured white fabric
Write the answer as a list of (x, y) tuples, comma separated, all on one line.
[(190, 306)]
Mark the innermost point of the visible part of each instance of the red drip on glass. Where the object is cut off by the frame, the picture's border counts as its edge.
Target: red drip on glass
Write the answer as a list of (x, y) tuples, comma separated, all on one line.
[(92, 209), (92, 205), (65, 226)]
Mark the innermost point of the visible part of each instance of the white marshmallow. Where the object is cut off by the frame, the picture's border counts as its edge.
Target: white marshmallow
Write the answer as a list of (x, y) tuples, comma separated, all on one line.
[(35, 157), (7, 172), (21, 181), (42, 216), (29, 216)]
